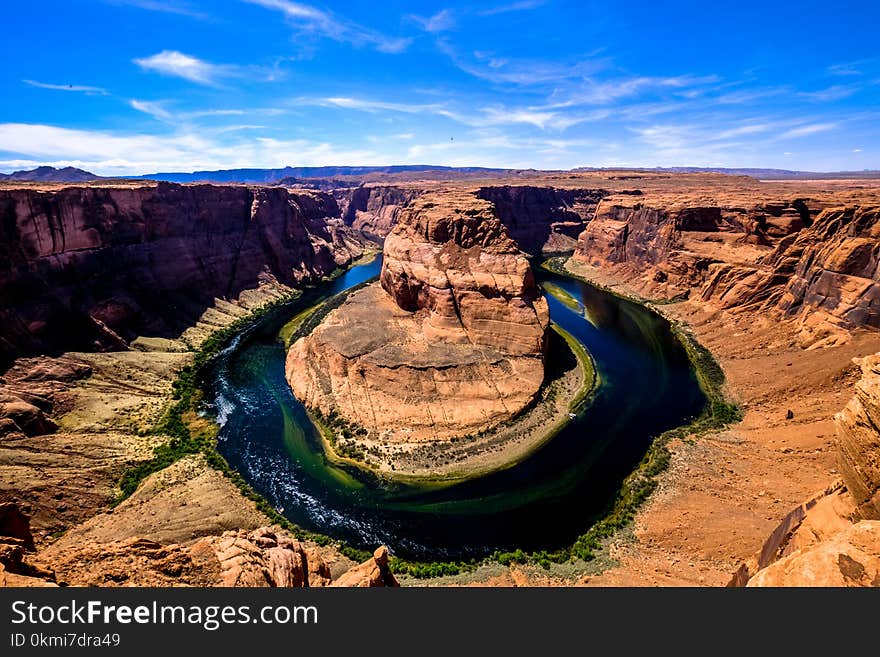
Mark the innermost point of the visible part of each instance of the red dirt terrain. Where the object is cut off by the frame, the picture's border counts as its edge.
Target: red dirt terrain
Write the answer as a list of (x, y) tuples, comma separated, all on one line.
[(778, 279)]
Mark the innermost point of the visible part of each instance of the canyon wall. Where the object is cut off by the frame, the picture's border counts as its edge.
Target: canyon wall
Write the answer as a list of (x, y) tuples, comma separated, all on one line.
[(455, 335), (373, 210), (821, 270), (543, 219), (834, 539), (829, 270), (86, 268), (539, 219), (858, 441)]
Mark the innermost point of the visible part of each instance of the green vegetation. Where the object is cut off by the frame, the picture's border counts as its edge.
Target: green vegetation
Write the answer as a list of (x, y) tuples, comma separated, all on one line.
[(181, 423), (561, 295), (291, 329), (587, 365), (190, 434)]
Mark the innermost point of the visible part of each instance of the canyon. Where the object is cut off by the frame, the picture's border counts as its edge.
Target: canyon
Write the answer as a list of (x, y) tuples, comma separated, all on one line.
[(456, 338), (107, 289)]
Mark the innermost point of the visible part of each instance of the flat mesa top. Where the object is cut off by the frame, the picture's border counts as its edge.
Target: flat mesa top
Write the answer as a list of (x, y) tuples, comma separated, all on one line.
[(670, 189), (396, 337)]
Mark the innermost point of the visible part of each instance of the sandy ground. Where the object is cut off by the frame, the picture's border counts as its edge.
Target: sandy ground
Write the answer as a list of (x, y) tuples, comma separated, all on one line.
[(725, 493)]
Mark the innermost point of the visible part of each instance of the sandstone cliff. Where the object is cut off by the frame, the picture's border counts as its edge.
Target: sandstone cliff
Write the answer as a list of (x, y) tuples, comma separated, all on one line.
[(451, 344), (676, 243), (858, 439), (373, 210), (826, 274), (834, 539), (819, 270), (543, 219), (86, 268)]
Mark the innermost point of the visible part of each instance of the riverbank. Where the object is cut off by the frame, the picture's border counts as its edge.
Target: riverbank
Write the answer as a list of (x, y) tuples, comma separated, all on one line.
[(724, 491), (572, 379)]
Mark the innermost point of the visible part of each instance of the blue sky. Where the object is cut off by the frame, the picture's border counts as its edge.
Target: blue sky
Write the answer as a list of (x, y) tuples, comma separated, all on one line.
[(136, 86)]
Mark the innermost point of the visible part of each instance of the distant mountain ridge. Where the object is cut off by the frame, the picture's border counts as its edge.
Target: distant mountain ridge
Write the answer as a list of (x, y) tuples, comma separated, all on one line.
[(50, 174), (326, 176), (762, 174), (272, 176)]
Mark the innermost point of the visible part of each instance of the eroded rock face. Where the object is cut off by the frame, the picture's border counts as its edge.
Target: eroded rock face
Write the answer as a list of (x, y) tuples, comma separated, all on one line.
[(620, 234), (91, 268), (822, 270), (858, 440), (467, 272), (455, 338), (848, 558), (373, 209), (373, 573), (827, 276), (16, 550), (262, 558), (543, 219)]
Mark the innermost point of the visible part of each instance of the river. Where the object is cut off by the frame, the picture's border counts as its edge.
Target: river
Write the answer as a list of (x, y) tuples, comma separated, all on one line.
[(543, 502)]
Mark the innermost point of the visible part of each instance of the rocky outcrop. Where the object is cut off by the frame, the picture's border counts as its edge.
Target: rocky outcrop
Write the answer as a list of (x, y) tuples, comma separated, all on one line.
[(91, 268), (822, 270), (858, 440), (543, 219), (373, 209), (32, 389), (677, 244), (16, 548), (461, 266), (373, 573), (262, 558), (619, 234), (456, 333), (834, 539), (849, 558), (826, 275)]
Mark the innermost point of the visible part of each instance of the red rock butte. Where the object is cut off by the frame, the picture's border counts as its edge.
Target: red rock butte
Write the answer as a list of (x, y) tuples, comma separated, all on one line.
[(449, 344)]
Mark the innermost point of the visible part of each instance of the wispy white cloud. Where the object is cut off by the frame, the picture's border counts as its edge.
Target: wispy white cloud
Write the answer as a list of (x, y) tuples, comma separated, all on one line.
[(522, 5), (748, 129), (312, 20), (748, 96), (153, 108), (523, 72), (481, 117), (160, 110), (366, 105), (80, 88), (440, 22), (846, 69), (166, 6), (178, 64), (832, 93), (111, 153), (603, 92), (713, 141), (806, 130)]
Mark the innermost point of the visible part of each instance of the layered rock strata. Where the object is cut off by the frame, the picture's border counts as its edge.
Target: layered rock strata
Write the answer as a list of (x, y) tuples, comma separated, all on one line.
[(373, 209), (858, 440), (822, 270), (452, 342), (91, 268), (834, 539), (543, 219)]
